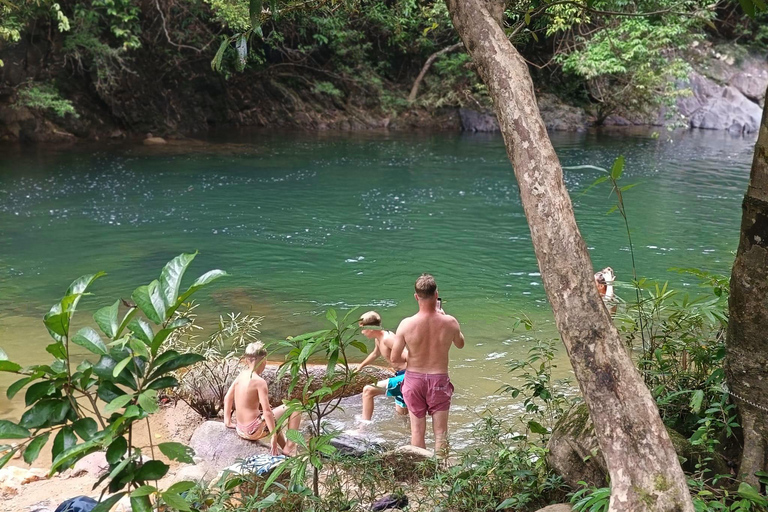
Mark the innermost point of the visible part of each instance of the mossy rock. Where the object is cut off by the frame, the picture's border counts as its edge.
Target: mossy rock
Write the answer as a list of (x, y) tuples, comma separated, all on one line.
[(575, 455)]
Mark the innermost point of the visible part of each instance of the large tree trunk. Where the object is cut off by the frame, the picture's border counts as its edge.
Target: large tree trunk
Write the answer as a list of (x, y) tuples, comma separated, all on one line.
[(644, 469), (747, 346)]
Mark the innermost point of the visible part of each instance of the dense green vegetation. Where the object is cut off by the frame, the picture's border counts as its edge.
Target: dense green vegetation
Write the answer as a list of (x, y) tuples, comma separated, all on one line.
[(610, 55)]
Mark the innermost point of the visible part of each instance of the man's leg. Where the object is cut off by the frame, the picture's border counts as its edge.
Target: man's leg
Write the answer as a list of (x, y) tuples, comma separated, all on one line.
[(294, 422), (440, 428), (418, 430), (369, 393)]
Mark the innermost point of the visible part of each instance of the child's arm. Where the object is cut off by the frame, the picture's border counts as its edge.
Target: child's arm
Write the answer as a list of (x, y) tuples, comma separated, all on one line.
[(371, 357), (229, 405)]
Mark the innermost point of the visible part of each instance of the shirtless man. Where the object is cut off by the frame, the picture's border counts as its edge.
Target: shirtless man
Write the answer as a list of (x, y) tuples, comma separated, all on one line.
[(244, 397), (604, 282), (428, 335), (382, 346)]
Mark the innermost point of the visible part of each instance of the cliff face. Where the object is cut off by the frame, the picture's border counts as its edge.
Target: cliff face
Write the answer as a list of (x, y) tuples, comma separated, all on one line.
[(184, 96)]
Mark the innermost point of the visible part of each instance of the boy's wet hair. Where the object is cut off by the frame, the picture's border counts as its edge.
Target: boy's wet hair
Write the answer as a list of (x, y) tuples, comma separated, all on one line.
[(255, 351), (425, 287), (370, 318)]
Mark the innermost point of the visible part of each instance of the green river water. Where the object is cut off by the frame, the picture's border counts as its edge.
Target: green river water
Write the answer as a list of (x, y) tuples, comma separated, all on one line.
[(306, 222)]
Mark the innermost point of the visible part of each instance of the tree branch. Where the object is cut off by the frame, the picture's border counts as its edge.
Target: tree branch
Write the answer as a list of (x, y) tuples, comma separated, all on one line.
[(432, 58)]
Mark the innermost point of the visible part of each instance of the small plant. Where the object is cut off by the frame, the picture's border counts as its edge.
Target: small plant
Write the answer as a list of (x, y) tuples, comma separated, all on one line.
[(95, 406), (334, 345), (45, 96), (590, 499), (204, 384)]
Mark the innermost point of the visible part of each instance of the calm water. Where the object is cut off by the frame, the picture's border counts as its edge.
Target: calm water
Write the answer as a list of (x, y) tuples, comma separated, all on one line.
[(306, 222)]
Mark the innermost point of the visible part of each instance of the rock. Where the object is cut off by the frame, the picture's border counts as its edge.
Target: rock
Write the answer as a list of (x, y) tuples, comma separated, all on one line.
[(474, 121), (575, 455), (715, 107), (124, 505), (12, 478), (199, 472), (558, 116), (94, 465), (154, 141), (615, 120), (409, 463), (751, 84), (355, 446), (206, 394), (219, 447), (390, 502), (560, 507), (42, 506), (730, 111)]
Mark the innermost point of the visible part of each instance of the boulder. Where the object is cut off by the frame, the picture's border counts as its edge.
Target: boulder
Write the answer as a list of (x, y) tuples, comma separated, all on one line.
[(199, 472), (355, 446), (42, 506), (155, 141), (476, 121), (218, 447), (206, 394), (410, 464), (714, 107), (575, 455), (559, 117), (560, 507), (751, 84), (93, 465)]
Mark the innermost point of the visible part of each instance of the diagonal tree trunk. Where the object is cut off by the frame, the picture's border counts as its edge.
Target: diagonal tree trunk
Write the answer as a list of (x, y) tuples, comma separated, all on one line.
[(747, 346), (644, 469)]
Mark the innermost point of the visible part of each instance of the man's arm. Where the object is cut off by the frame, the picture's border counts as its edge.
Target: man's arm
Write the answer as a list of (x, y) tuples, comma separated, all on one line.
[(458, 339), (229, 405), (266, 409), (398, 345), (371, 357)]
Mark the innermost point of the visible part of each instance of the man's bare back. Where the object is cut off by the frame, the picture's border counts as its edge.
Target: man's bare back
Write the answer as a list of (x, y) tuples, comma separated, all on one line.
[(248, 389), (428, 337)]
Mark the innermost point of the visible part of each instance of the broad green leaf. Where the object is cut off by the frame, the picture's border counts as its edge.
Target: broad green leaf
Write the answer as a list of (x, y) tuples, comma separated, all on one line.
[(126, 320), (63, 441), (116, 450), (142, 299), (216, 61), (163, 383), (86, 428), (276, 472), (175, 501), (9, 366), (90, 340), (359, 345), (201, 281), (139, 348), (106, 505), (696, 400), (57, 322), (178, 452), (748, 7), (141, 504), (119, 367), (180, 487), (33, 448), (537, 428), (17, 386), (152, 470), (144, 490), (296, 437), (528, 18), (106, 319), (157, 300), (9, 430), (748, 492), (107, 391), (618, 168), (45, 412), (57, 350), (79, 287), (5, 458), (38, 391), (148, 401), (142, 330), (181, 361), (171, 276), (331, 316), (117, 403), (163, 334)]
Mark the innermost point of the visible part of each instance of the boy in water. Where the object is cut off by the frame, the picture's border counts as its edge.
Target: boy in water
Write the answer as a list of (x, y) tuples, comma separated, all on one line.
[(382, 346), (244, 397)]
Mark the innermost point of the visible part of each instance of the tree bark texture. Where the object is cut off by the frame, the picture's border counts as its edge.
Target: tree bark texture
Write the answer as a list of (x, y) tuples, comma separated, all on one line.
[(747, 346), (644, 469)]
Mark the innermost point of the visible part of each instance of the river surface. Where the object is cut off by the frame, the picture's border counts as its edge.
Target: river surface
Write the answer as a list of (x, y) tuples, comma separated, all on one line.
[(307, 222)]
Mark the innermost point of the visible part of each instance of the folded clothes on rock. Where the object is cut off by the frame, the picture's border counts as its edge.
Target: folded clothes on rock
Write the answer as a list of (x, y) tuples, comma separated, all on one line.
[(257, 464)]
